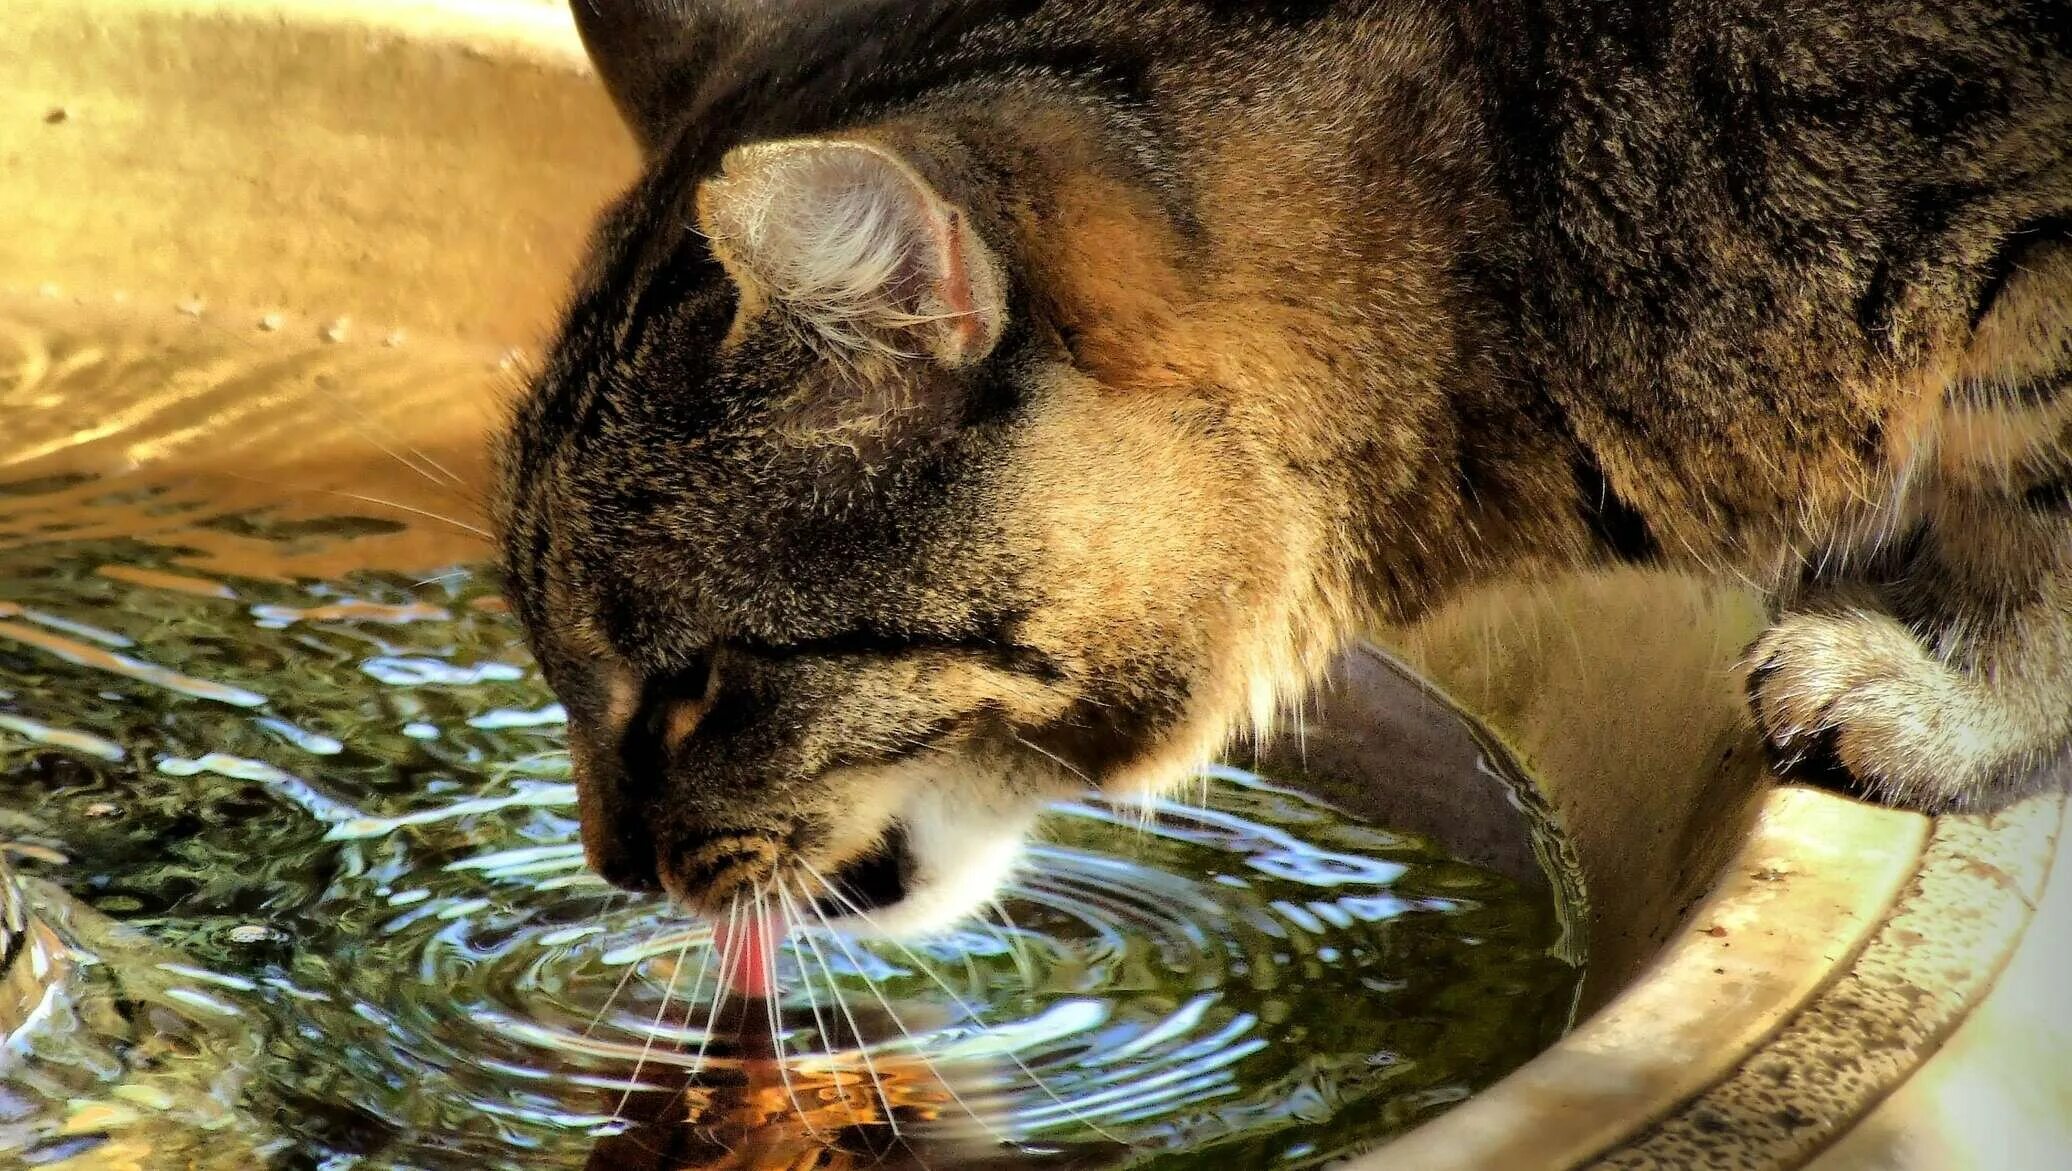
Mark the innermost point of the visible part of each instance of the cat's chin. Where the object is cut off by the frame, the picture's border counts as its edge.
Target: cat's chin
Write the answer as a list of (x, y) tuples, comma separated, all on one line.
[(962, 853)]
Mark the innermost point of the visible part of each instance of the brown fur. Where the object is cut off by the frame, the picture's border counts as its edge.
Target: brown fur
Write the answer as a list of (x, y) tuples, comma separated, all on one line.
[(1299, 317)]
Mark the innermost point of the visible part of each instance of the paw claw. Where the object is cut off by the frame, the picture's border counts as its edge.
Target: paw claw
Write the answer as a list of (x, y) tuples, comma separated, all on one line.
[(1817, 760)]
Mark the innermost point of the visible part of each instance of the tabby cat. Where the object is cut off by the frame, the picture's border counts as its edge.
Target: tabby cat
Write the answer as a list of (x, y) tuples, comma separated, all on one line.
[(974, 399)]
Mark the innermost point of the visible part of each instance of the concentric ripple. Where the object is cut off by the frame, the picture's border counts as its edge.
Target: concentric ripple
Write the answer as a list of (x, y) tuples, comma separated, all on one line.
[(327, 827)]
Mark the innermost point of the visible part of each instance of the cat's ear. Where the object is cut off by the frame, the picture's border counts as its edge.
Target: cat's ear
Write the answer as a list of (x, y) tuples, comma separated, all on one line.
[(846, 238), (651, 54)]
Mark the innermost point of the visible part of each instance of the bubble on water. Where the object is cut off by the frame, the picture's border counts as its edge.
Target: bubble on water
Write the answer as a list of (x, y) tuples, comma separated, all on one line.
[(125, 666), (314, 743), (420, 672), (1324, 868), (350, 610), (84, 742), (547, 716), (287, 784), (84, 630)]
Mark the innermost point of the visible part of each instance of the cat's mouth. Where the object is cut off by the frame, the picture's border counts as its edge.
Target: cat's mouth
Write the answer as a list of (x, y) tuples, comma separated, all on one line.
[(941, 856), (929, 841), (872, 882)]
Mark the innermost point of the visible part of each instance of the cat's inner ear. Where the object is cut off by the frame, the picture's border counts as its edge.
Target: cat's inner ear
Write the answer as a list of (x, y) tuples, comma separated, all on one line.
[(849, 242)]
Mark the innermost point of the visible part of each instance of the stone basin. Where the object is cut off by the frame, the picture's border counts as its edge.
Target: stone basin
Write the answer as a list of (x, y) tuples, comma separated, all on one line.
[(361, 196)]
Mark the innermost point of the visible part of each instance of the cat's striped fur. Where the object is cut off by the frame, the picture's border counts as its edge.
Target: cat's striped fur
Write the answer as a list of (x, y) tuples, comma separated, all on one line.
[(1162, 345)]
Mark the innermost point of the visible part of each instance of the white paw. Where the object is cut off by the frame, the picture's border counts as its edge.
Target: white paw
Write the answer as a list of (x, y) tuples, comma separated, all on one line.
[(1855, 688)]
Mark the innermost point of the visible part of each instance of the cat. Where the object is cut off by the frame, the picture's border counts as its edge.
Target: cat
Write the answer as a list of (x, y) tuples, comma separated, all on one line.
[(975, 400)]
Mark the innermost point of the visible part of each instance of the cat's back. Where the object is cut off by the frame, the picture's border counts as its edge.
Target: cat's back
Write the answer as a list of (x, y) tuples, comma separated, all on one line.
[(798, 62), (1799, 150)]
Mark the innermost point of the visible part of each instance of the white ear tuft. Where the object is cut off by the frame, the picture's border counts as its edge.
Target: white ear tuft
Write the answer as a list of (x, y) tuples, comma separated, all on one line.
[(849, 241)]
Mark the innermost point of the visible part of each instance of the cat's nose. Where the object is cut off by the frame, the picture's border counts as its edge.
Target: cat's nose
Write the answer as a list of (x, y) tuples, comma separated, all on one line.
[(620, 783), (709, 870), (621, 855), (614, 806)]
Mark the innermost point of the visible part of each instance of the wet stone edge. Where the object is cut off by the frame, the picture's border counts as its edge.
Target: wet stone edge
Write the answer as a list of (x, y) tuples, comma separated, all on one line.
[(1931, 962)]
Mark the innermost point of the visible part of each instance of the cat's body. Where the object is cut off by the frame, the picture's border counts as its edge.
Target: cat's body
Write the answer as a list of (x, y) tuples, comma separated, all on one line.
[(979, 397)]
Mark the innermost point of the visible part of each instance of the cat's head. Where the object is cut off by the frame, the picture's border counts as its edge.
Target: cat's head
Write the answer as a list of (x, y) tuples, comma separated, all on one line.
[(862, 507)]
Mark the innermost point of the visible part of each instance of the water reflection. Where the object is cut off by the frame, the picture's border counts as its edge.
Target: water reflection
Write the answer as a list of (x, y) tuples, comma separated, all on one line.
[(313, 844)]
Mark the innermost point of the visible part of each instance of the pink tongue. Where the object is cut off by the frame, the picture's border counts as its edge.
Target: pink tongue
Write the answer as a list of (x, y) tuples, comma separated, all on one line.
[(745, 948)]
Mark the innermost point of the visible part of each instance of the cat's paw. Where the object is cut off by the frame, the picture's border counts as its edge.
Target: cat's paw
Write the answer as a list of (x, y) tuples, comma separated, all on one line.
[(1850, 698)]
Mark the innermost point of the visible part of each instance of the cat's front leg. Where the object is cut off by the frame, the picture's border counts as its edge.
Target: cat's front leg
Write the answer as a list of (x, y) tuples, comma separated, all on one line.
[(1948, 681), (1932, 723)]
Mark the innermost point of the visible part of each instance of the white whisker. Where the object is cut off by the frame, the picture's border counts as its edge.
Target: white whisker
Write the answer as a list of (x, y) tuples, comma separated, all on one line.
[(420, 461), (930, 972), (625, 977), (648, 1044), (863, 1048), (1054, 758), (455, 575), (719, 988), (697, 985), (463, 526), (915, 1042), (446, 480), (1301, 731), (1012, 940), (769, 965), (794, 928)]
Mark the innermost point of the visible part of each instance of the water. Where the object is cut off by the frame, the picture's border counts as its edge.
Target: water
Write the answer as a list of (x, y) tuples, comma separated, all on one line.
[(303, 846)]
